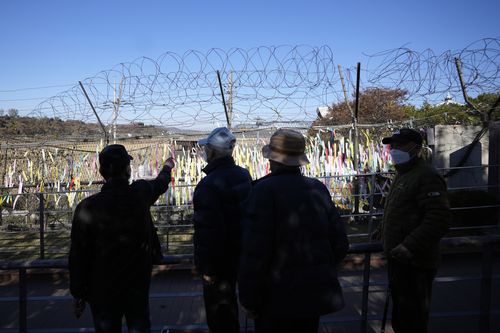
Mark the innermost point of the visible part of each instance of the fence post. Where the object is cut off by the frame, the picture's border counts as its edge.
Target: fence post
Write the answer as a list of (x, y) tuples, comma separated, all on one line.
[(41, 212), (364, 296), (373, 191), (168, 237), (485, 294), (23, 301), (367, 264)]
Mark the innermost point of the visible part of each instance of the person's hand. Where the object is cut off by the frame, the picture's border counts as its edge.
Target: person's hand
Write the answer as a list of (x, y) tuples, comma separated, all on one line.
[(209, 279), (401, 252), (249, 313), (78, 307), (170, 163)]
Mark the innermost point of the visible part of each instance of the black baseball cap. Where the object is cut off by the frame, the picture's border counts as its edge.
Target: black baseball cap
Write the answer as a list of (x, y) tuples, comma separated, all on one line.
[(115, 155), (404, 135)]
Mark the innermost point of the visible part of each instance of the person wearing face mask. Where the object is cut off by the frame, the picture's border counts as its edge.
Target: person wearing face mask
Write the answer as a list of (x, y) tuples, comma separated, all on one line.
[(111, 254), (416, 217), (217, 215)]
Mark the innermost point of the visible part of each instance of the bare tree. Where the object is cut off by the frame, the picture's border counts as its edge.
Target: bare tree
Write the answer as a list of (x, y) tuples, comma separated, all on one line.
[(13, 112)]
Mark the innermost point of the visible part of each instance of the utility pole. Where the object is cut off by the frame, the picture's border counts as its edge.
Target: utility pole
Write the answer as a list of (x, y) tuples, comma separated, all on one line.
[(354, 117), (115, 114), (116, 107), (346, 99), (230, 99)]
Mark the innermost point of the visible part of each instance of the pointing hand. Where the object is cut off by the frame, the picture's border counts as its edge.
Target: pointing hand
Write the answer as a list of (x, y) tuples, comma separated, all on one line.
[(170, 162)]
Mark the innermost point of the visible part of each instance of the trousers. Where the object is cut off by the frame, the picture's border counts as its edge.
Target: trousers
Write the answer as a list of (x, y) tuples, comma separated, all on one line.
[(221, 306), (134, 307), (411, 290)]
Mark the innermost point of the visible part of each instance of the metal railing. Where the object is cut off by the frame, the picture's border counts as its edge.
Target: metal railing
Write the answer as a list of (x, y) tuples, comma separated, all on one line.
[(368, 180), (486, 245)]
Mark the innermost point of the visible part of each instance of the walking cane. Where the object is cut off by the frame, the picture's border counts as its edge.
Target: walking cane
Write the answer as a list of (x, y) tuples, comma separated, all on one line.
[(386, 308)]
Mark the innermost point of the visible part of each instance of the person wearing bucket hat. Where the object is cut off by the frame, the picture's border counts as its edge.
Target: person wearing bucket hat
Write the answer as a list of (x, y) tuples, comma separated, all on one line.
[(113, 245), (293, 239), (286, 147), (217, 215), (416, 217)]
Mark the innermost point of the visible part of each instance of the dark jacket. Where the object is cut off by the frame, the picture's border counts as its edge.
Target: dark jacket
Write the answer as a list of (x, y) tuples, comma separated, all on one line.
[(293, 240), (217, 215), (110, 253), (416, 212)]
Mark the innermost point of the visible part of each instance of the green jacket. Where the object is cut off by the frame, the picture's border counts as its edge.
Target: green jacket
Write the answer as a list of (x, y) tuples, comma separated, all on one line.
[(416, 213)]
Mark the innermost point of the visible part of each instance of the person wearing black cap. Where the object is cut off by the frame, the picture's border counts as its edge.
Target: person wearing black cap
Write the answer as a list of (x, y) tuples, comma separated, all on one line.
[(217, 215), (110, 259), (293, 240), (416, 217)]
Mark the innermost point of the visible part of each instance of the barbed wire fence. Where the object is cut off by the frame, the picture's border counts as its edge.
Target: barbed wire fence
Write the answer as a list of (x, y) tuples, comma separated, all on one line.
[(265, 85), (281, 86)]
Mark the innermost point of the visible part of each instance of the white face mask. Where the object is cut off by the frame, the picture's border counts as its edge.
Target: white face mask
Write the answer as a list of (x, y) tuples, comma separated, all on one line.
[(399, 156)]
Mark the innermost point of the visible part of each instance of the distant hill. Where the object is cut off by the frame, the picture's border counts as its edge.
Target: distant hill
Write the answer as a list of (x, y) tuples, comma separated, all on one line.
[(58, 128)]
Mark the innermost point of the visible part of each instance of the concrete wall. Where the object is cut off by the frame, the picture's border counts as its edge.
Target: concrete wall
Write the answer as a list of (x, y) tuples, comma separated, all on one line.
[(494, 174), (451, 143)]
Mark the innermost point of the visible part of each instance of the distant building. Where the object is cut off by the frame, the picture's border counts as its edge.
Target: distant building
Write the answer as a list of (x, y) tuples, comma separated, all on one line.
[(323, 111), (448, 100), (264, 129)]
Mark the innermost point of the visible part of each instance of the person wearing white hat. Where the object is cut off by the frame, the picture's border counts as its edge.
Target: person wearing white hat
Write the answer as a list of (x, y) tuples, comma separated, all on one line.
[(217, 215)]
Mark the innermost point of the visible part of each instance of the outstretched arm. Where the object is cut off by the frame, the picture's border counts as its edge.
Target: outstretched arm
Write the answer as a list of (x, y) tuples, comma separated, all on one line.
[(159, 185), (80, 252)]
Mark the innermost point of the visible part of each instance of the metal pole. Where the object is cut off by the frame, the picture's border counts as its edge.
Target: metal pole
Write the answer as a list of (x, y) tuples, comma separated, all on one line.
[(116, 106), (168, 234), (486, 290), (168, 238), (230, 99), (370, 204), (346, 99), (367, 264), (224, 101), (358, 72), (356, 142), (41, 212), (97, 116), (23, 301), (364, 296), (115, 113)]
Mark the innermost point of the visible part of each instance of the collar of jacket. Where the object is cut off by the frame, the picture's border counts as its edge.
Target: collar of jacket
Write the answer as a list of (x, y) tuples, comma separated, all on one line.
[(280, 171), (114, 183), (405, 167), (285, 170), (217, 163)]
